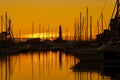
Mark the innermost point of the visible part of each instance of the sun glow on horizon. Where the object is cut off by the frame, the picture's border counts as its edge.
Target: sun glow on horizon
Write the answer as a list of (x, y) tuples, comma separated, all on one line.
[(53, 36), (40, 35)]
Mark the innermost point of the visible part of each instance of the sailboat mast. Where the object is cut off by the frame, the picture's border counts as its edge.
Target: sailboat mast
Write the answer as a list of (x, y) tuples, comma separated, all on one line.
[(48, 31), (75, 31), (9, 29), (87, 25), (82, 28), (78, 30), (98, 26), (32, 29), (19, 35), (90, 28), (67, 33), (102, 21), (6, 23), (117, 13), (43, 33), (39, 29), (80, 25), (2, 26)]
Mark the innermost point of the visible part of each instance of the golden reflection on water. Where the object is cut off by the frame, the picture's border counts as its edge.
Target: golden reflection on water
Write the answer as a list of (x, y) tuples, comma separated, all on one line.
[(43, 66)]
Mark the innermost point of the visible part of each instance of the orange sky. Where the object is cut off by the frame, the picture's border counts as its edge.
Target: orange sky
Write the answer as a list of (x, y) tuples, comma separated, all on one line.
[(52, 13)]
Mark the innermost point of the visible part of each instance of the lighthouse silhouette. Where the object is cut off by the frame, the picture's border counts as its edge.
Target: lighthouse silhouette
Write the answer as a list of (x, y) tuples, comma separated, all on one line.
[(60, 32)]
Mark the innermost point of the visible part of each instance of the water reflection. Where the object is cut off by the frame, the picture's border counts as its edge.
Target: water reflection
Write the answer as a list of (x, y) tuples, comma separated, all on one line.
[(90, 71), (47, 66)]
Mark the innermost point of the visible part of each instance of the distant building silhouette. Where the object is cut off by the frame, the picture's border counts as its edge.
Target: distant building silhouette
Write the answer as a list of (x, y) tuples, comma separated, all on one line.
[(59, 39)]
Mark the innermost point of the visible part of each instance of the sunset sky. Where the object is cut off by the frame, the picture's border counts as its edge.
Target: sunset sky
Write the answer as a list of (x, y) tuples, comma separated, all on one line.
[(53, 13)]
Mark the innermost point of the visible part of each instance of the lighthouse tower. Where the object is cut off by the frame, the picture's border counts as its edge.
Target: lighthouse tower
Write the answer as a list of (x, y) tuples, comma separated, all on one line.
[(60, 32)]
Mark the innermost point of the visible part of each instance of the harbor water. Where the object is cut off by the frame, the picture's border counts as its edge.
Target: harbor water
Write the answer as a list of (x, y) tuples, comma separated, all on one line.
[(45, 66)]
